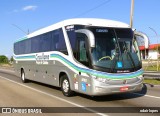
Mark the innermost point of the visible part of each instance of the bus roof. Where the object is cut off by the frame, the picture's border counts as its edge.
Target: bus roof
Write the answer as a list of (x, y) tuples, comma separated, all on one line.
[(80, 21)]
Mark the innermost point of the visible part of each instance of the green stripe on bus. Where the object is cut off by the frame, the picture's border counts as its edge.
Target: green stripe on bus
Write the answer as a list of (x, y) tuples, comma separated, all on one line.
[(116, 76), (21, 39)]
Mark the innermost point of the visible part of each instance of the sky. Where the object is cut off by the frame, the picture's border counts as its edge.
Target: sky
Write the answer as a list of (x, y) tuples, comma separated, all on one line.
[(19, 16)]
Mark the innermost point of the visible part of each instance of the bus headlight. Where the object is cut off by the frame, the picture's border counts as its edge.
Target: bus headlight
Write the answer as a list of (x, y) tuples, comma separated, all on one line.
[(101, 80), (93, 76), (140, 77)]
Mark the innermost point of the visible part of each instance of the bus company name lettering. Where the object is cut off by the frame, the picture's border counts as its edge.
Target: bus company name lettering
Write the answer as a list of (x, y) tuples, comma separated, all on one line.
[(42, 58)]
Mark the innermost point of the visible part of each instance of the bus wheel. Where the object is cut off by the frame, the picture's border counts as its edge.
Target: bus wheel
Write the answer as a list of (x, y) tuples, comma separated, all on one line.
[(65, 86), (24, 80)]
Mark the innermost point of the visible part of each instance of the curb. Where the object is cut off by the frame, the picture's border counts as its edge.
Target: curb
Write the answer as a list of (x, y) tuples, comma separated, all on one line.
[(152, 85), (151, 77), (156, 78)]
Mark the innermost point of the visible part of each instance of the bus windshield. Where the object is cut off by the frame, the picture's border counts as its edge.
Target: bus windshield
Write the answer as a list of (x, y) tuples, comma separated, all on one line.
[(114, 50)]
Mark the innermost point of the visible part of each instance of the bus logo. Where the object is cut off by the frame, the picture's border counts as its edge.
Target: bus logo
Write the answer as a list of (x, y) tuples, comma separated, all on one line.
[(42, 58)]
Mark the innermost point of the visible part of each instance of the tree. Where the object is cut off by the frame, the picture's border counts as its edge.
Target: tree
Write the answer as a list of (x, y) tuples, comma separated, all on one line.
[(11, 60), (3, 59), (157, 48)]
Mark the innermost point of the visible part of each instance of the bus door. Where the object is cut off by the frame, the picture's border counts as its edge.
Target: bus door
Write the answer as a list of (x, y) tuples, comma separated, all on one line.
[(82, 49)]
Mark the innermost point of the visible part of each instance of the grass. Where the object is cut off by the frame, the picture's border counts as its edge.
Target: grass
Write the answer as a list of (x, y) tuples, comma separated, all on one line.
[(5, 65), (152, 81), (152, 68)]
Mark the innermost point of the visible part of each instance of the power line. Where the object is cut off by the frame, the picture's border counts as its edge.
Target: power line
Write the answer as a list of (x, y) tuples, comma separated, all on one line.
[(20, 29), (153, 36), (99, 5)]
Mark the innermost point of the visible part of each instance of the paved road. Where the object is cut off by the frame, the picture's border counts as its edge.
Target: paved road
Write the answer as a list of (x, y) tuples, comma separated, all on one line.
[(13, 93)]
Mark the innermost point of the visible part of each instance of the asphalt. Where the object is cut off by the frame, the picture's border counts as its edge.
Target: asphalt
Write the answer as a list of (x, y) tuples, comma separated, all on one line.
[(14, 93)]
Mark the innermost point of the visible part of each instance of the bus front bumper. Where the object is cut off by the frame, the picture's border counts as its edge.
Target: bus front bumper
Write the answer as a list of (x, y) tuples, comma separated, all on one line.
[(104, 89)]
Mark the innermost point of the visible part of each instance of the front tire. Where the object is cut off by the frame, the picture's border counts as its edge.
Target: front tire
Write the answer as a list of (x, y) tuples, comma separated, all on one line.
[(24, 80), (65, 86)]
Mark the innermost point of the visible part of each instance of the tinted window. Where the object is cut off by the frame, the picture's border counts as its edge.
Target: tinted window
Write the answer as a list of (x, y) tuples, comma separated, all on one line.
[(82, 48), (72, 38), (22, 47), (61, 45), (27, 46), (35, 44), (16, 48), (72, 35), (51, 41), (45, 42)]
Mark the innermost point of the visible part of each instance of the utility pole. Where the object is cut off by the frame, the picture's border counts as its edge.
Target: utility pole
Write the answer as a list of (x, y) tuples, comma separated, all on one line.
[(28, 32), (157, 46), (132, 12)]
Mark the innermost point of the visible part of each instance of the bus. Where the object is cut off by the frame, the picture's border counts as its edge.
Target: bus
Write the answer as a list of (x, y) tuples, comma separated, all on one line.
[(85, 55)]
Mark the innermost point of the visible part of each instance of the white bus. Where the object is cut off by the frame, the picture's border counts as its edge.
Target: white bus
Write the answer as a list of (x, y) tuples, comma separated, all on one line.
[(89, 56)]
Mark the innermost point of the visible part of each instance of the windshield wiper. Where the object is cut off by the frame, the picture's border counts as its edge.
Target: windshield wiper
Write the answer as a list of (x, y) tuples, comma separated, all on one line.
[(117, 53), (128, 53), (115, 58)]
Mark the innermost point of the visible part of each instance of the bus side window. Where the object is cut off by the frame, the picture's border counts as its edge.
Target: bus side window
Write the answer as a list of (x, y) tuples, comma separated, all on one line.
[(59, 43)]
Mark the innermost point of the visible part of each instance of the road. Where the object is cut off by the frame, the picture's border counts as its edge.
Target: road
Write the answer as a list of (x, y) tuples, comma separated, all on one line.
[(14, 93)]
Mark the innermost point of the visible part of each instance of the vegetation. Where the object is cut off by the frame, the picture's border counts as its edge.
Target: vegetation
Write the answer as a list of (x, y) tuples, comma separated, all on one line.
[(152, 81), (5, 62), (152, 68), (157, 48), (11, 60), (4, 59)]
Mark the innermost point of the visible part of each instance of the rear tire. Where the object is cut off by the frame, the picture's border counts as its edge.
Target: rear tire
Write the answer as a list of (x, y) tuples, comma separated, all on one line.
[(24, 80), (65, 86)]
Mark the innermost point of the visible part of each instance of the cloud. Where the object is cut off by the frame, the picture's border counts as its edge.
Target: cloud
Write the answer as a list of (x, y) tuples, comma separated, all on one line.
[(30, 7), (25, 8)]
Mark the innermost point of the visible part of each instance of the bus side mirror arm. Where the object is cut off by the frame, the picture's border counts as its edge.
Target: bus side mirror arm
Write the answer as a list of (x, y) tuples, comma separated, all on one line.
[(89, 35)]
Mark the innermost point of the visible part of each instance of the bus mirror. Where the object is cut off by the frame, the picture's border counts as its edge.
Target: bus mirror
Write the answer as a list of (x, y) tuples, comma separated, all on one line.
[(89, 35)]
